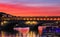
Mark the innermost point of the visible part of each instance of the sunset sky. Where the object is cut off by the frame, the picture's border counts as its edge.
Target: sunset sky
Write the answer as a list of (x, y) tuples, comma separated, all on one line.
[(30, 7)]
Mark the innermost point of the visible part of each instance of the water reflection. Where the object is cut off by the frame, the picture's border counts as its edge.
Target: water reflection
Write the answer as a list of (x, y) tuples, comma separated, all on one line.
[(47, 32), (4, 34), (30, 34)]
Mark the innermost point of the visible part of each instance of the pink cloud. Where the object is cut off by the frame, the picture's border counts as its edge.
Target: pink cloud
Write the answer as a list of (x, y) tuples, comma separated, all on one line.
[(29, 11)]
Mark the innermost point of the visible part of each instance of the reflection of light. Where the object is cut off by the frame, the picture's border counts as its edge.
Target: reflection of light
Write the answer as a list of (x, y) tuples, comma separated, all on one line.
[(32, 34), (57, 30), (31, 22), (2, 33), (17, 35)]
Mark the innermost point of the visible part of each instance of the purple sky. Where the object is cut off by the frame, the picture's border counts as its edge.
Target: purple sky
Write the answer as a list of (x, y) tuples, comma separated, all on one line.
[(33, 3)]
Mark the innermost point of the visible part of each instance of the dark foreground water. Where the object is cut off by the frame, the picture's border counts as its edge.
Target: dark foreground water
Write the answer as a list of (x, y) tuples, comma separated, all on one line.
[(30, 34)]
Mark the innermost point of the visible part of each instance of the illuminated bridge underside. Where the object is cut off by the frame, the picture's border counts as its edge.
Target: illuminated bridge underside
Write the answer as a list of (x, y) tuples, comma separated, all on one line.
[(32, 18)]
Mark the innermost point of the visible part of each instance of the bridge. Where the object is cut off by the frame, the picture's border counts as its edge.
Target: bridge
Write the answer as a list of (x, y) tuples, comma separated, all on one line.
[(8, 22)]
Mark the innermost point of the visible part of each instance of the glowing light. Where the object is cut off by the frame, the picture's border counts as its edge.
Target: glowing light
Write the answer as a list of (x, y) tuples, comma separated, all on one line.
[(34, 18), (31, 22), (34, 22), (54, 18), (48, 19), (31, 19), (28, 22), (3, 22), (27, 18), (24, 18), (44, 18), (57, 22), (37, 18), (41, 18), (51, 18), (58, 19)]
